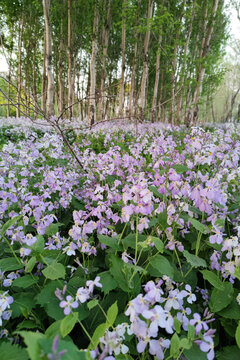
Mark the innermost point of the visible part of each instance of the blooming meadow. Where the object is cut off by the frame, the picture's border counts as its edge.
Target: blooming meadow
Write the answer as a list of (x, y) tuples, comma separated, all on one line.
[(134, 255)]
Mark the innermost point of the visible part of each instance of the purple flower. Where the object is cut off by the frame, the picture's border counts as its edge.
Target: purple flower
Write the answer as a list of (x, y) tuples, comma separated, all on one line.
[(156, 347), (68, 305), (90, 284), (82, 295), (200, 324), (188, 292)]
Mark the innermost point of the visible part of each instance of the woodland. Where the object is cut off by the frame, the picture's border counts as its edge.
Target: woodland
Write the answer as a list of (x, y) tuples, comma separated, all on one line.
[(156, 60), (119, 180)]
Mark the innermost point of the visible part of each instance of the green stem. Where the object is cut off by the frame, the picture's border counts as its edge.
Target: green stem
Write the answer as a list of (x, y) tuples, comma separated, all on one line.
[(86, 332), (136, 238), (13, 252), (179, 262)]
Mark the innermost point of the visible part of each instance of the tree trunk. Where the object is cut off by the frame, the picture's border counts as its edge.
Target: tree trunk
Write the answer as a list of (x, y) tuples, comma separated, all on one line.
[(92, 100), (44, 78), (133, 72), (70, 82), (60, 72), (182, 78), (105, 38), (50, 87), (145, 63), (207, 34), (121, 98), (19, 73)]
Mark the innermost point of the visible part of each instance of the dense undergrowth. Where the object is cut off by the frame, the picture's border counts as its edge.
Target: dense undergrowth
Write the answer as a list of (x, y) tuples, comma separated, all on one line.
[(135, 257)]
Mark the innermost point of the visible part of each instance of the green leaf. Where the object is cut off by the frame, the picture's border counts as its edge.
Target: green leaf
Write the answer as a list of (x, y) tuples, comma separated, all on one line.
[(48, 300), (10, 264), (53, 329), (213, 279), (198, 226), (221, 298), (237, 335), (98, 333), (194, 353), (116, 270), (175, 346), (27, 324), (52, 229), (30, 264), (23, 301), (25, 281), (31, 340), (180, 169), (162, 265), (111, 242), (54, 271), (232, 311), (159, 244), (71, 350), (185, 343), (91, 304), (10, 351), (10, 223), (112, 314), (194, 260), (68, 323), (108, 282), (191, 332), (229, 353), (177, 325), (155, 192), (38, 246)]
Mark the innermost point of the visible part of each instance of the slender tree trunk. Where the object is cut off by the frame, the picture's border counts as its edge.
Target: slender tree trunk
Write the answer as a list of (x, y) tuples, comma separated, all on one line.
[(121, 98), (159, 114), (19, 73), (60, 72), (133, 73), (50, 88), (203, 53), (182, 77), (92, 100), (145, 63), (174, 64), (105, 38), (70, 82), (44, 77)]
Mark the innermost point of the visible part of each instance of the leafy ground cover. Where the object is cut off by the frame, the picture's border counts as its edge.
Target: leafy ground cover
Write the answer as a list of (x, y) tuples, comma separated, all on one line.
[(135, 257)]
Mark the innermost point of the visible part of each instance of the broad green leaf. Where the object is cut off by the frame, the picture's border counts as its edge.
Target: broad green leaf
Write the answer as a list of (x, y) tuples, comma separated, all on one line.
[(10, 223), (71, 350), (111, 242), (53, 329), (27, 324), (25, 281), (116, 270), (232, 311), (68, 323), (31, 339), (91, 304), (48, 300), (229, 353), (175, 346), (54, 271), (194, 353), (10, 351), (180, 169), (159, 244), (10, 264), (112, 314), (38, 246), (23, 301), (30, 264), (237, 335), (107, 281), (194, 260), (198, 226), (221, 299), (185, 343), (213, 279), (52, 229), (162, 265), (98, 333)]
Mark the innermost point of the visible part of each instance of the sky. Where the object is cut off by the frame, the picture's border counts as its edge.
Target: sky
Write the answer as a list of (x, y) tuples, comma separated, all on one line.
[(235, 33)]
